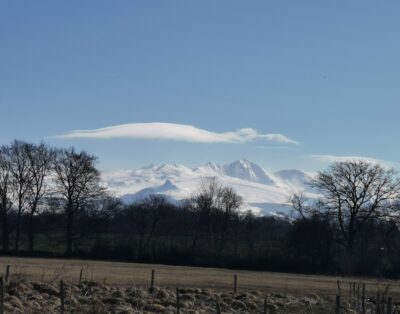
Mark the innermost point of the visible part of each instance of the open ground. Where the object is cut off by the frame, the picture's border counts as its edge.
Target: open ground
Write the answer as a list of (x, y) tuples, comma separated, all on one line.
[(128, 274)]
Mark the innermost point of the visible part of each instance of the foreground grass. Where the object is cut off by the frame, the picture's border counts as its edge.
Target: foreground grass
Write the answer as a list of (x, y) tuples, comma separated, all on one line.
[(132, 274), (91, 297)]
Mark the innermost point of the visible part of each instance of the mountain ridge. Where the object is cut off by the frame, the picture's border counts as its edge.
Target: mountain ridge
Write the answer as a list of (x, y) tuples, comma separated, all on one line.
[(262, 192)]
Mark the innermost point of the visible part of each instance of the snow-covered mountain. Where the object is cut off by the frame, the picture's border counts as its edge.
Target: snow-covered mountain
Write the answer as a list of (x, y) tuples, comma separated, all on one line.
[(262, 192), (164, 189), (246, 170), (294, 179)]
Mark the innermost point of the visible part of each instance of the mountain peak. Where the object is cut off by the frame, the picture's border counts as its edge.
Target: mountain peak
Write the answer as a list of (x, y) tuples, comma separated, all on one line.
[(210, 169), (172, 169), (168, 185), (247, 170), (246, 163)]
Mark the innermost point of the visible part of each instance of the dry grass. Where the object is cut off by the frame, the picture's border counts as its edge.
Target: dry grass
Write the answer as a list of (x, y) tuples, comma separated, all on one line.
[(131, 274), (97, 298)]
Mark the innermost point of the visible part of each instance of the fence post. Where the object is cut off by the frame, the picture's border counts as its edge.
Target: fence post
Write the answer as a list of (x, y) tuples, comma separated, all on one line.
[(350, 293), (218, 307), (1, 296), (265, 305), (338, 287), (363, 299), (235, 284), (389, 306), (62, 297), (378, 303), (7, 273), (337, 309), (80, 277), (178, 302), (152, 280)]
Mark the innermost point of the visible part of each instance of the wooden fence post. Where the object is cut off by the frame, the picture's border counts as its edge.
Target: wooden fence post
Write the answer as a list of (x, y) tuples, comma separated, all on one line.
[(363, 299), (7, 273), (80, 277), (218, 307), (62, 297), (350, 293), (235, 284), (152, 279), (389, 306), (1, 296), (337, 309), (265, 305), (178, 302), (378, 303)]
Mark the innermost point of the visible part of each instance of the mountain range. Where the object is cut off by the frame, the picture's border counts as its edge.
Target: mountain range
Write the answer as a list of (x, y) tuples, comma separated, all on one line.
[(263, 192)]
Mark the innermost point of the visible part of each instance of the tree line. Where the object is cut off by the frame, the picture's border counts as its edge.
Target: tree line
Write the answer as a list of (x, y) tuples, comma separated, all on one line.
[(37, 179), (52, 203)]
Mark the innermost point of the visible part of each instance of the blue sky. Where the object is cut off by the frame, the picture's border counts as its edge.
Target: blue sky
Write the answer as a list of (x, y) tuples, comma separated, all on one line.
[(323, 73)]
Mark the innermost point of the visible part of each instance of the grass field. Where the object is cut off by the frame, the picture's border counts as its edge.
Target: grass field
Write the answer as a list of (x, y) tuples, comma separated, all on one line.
[(125, 274)]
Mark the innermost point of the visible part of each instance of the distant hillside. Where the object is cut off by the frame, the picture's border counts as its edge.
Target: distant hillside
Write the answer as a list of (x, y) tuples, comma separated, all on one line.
[(263, 192)]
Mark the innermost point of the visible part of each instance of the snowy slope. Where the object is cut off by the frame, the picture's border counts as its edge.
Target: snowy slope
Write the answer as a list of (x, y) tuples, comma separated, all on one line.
[(262, 192), (294, 179), (246, 170)]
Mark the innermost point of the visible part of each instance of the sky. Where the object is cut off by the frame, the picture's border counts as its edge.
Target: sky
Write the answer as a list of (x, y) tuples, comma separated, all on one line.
[(286, 84)]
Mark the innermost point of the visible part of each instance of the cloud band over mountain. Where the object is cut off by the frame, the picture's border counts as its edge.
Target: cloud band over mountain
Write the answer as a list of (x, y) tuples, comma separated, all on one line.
[(333, 158), (176, 132)]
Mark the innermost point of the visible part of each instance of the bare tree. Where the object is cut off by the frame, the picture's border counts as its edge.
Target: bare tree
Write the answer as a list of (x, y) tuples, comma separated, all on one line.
[(144, 216), (214, 206), (78, 186), (40, 165), (20, 170), (229, 202), (353, 192), (203, 205), (6, 194)]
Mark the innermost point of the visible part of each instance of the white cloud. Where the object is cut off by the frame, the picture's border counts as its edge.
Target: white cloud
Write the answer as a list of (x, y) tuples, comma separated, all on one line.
[(333, 158), (176, 132)]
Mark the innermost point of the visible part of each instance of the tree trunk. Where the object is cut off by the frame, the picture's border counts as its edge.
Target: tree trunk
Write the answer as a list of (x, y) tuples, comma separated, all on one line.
[(30, 233), (195, 233), (6, 239), (18, 231), (68, 239), (223, 233), (350, 255)]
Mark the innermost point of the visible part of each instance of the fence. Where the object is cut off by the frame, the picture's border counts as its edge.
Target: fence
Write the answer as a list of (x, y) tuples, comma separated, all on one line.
[(353, 296)]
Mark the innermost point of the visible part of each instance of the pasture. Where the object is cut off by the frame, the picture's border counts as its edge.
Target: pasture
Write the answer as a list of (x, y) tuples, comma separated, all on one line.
[(128, 274)]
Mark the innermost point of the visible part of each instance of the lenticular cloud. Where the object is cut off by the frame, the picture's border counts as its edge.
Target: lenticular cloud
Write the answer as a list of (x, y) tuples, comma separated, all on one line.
[(176, 132), (331, 159)]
